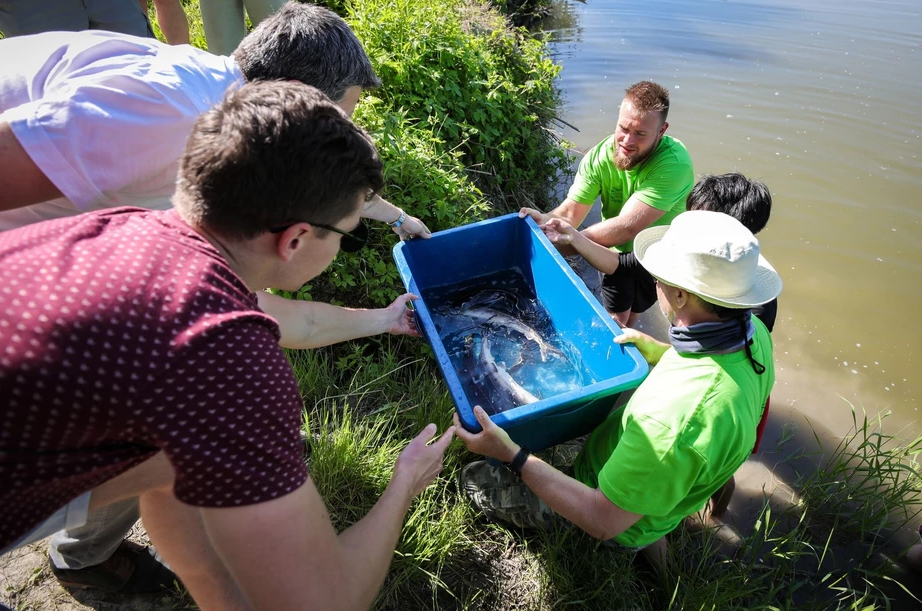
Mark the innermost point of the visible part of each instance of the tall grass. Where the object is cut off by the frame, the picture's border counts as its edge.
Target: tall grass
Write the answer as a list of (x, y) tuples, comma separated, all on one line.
[(833, 549)]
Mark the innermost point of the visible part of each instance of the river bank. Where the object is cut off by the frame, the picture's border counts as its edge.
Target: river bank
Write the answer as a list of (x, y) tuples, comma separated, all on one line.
[(801, 546)]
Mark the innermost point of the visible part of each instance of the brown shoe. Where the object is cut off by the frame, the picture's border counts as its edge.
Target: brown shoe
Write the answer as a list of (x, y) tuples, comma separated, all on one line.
[(132, 569)]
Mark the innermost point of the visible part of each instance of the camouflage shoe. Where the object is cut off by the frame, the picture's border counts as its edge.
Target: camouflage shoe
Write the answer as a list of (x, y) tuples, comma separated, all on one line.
[(503, 497)]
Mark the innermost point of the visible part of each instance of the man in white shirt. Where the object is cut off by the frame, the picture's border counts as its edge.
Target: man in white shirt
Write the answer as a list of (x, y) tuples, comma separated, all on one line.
[(93, 120)]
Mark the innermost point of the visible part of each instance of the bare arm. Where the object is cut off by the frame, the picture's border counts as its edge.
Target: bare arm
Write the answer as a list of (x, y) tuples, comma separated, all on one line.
[(634, 218), (571, 211), (380, 209), (310, 324), (587, 508), (561, 234), (172, 20), (22, 183), (285, 554)]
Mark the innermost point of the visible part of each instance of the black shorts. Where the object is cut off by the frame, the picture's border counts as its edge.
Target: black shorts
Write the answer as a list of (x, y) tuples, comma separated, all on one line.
[(631, 287), (767, 313)]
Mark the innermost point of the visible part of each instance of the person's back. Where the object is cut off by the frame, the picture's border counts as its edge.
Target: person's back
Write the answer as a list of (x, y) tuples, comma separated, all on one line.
[(141, 321), (138, 362), (692, 422), (104, 116), (93, 120)]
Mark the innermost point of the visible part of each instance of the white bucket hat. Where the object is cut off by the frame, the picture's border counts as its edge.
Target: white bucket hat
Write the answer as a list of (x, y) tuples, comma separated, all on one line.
[(711, 255)]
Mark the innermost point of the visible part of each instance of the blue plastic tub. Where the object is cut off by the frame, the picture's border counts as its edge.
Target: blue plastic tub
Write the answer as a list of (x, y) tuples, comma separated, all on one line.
[(508, 242)]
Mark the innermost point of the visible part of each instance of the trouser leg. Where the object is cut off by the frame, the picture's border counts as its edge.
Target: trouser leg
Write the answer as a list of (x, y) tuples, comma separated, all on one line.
[(259, 10), (501, 496), (123, 16), (223, 21), (94, 542), (25, 17)]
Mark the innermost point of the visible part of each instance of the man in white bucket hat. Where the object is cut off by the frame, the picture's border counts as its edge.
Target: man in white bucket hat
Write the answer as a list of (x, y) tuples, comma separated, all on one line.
[(690, 424)]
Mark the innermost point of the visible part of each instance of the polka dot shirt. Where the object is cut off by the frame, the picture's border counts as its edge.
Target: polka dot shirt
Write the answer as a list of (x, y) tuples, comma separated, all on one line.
[(124, 333)]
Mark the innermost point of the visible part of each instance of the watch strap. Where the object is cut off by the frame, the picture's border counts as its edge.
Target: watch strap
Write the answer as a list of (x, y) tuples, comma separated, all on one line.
[(400, 220), (518, 462)]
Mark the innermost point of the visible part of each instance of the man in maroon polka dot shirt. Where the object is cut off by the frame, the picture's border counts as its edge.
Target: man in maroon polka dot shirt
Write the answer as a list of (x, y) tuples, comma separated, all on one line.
[(137, 361)]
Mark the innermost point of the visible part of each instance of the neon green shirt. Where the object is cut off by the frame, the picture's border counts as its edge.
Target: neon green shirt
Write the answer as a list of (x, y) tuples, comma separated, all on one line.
[(683, 434), (662, 182)]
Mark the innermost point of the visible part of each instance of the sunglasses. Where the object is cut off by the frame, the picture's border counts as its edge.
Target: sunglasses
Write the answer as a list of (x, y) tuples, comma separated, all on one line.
[(350, 241)]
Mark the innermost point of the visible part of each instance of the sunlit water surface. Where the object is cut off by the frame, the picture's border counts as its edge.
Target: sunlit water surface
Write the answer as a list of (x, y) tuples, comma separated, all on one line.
[(822, 101)]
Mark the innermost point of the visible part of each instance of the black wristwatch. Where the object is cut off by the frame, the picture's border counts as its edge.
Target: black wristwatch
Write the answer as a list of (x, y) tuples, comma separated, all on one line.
[(518, 462)]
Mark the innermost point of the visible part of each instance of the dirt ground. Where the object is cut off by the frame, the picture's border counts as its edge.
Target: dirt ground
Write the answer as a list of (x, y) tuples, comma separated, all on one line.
[(26, 584)]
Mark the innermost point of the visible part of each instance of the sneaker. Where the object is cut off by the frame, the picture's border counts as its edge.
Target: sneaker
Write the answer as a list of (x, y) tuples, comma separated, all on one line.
[(132, 569)]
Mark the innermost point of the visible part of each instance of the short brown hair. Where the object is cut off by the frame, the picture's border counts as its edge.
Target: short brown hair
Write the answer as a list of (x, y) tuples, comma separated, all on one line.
[(307, 43), (648, 96), (272, 153)]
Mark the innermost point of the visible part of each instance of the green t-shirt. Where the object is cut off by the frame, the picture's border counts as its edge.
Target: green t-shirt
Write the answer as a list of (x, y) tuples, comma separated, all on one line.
[(662, 182), (683, 434)]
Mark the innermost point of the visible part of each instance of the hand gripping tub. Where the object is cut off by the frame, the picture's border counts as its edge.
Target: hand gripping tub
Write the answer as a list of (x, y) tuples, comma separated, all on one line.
[(481, 249)]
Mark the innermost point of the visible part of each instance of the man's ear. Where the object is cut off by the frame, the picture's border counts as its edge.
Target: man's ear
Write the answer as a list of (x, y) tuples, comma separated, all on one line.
[(680, 298), (663, 129), (292, 239)]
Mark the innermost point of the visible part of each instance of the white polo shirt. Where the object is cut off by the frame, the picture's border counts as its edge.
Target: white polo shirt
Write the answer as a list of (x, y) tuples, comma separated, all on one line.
[(105, 116)]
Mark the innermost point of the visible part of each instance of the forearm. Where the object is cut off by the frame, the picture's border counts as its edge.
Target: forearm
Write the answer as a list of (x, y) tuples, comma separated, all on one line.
[(380, 209), (600, 257), (22, 183), (368, 545), (311, 324), (172, 21), (325, 324), (634, 218), (568, 497), (571, 211), (611, 232)]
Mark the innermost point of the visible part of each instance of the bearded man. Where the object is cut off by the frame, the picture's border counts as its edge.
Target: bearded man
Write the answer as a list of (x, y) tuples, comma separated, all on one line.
[(642, 177)]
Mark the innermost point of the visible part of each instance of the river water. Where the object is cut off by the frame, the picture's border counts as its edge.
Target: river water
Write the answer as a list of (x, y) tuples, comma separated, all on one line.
[(822, 101)]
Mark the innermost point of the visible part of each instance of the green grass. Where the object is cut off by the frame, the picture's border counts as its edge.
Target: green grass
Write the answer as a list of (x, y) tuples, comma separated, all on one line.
[(449, 558), (460, 124)]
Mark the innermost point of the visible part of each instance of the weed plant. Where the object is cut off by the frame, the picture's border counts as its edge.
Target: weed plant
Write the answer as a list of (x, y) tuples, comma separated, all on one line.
[(460, 121)]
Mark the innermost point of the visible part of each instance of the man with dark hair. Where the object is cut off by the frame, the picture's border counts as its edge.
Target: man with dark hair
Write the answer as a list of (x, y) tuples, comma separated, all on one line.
[(690, 424), (642, 177), (141, 365), (94, 120)]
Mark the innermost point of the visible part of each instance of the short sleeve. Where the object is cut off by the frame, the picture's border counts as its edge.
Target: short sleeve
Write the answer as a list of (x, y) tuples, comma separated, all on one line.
[(228, 415), (650, 471), (666, 184), (587, 183), (93, 137)]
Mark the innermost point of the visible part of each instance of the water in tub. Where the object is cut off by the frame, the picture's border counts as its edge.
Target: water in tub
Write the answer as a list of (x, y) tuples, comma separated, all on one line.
[(503, 344)]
